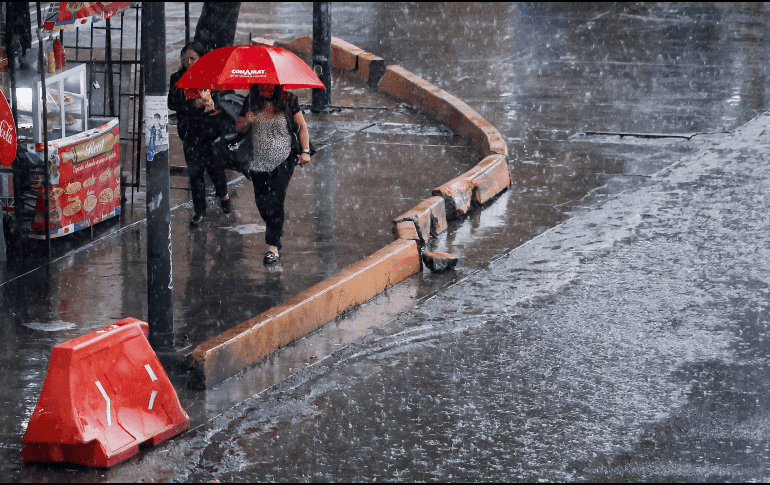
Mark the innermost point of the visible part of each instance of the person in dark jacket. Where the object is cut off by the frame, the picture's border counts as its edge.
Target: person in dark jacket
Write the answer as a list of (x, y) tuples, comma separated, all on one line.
[(198, 128), (270, 111), (18, 14)]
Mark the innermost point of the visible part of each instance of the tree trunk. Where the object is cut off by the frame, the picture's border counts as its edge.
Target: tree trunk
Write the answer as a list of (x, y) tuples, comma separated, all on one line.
[(217, 23)]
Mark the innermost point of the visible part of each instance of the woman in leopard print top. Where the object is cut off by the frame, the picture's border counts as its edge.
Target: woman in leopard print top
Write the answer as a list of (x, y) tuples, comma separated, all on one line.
[(265, 112)]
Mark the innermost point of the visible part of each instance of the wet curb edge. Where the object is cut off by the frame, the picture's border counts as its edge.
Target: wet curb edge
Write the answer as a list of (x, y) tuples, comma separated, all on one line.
[(241, 347)]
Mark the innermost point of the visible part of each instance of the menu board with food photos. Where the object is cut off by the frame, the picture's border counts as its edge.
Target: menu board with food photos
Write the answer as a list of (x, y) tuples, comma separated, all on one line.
[(84, 181)]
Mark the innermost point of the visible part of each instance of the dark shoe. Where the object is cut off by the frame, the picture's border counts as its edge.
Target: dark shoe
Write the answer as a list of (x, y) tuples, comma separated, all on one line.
[(196, 220), (271, 257), (226, 205)]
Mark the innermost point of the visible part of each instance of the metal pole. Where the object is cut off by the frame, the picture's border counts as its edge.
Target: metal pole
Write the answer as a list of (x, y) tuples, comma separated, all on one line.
[(46, 170), (322, 54), (159, 269), (186, 22), (108, 77), (11, 63)]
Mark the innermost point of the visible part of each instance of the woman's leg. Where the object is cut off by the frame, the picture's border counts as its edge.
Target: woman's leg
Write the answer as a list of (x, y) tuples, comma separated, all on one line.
[(196, 170), (216, 171), (270, 194)]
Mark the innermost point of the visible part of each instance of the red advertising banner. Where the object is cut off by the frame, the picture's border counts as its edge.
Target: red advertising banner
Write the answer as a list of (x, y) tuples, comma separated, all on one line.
[(63, 15), (85, 181), (7, 134)]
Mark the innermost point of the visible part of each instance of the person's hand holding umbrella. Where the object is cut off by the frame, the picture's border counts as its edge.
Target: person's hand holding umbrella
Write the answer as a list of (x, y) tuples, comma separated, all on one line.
[(205, 101)]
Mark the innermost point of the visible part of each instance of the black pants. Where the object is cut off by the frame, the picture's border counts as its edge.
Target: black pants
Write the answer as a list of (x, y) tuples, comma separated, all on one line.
[(270, 193), (199, 156)]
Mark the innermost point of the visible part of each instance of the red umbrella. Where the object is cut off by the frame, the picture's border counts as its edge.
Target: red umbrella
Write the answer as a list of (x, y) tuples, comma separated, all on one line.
[(239, 67)]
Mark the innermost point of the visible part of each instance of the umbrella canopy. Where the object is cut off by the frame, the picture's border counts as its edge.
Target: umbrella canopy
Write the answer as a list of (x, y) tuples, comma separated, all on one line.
[(239, 67), (65, 15)]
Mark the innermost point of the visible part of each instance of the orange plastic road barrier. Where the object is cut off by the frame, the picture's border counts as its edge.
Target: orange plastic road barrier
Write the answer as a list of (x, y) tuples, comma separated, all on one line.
[(105, 394), (406, 230)]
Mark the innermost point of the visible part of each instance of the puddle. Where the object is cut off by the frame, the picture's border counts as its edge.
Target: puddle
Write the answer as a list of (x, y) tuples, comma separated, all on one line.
[(54, 326), (407, 129), (247, 229)]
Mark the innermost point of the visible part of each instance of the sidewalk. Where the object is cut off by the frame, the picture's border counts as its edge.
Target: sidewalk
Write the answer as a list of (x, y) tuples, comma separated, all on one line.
[(339, 210)]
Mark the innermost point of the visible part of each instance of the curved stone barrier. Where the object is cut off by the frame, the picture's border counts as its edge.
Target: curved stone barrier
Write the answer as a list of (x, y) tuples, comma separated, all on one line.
[(428, 219), (442, 106), (478, 185), (346, 58), (243, 346)]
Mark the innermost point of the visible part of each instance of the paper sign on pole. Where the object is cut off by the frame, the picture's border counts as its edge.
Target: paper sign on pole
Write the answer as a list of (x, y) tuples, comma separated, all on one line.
[(155, 124)]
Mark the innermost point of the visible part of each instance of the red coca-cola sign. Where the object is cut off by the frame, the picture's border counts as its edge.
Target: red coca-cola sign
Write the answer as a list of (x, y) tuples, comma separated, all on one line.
[(7, 134)]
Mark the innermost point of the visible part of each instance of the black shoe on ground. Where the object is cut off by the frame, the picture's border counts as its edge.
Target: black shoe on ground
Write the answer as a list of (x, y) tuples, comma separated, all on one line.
[(271, 257), (226, 205), (196, 220)]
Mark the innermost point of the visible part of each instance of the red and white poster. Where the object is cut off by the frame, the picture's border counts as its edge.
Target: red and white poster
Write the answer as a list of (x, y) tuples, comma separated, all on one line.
[(85, 181), (7, 134), (63, 15)]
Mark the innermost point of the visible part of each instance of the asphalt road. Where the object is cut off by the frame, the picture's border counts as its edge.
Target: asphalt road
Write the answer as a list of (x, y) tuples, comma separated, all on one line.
[(608, 320)]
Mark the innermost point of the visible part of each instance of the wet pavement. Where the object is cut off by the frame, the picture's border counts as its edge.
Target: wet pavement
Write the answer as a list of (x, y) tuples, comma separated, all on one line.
[(624, 341), (628, 343)]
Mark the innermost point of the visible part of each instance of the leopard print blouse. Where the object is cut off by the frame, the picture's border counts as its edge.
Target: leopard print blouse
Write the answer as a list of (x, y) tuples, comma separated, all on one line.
[(271, 139)]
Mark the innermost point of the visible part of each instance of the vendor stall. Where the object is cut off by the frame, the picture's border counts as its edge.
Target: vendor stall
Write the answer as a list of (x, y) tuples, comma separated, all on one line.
[(85, 182), (83, 155), (66, 175)]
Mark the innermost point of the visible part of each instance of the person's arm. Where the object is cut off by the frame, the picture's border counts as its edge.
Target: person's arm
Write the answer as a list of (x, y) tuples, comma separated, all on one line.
[(304, 138), (176, 101), (243, 123), (246, 117)]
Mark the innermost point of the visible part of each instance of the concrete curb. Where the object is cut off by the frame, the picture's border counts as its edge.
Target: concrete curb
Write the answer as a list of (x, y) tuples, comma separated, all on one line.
[(429, 218), (243, 346), (412, 89), (478, 185), (346, 57)]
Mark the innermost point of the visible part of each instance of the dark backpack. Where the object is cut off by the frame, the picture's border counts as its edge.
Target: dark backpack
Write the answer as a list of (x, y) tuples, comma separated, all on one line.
[(232, 149)]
